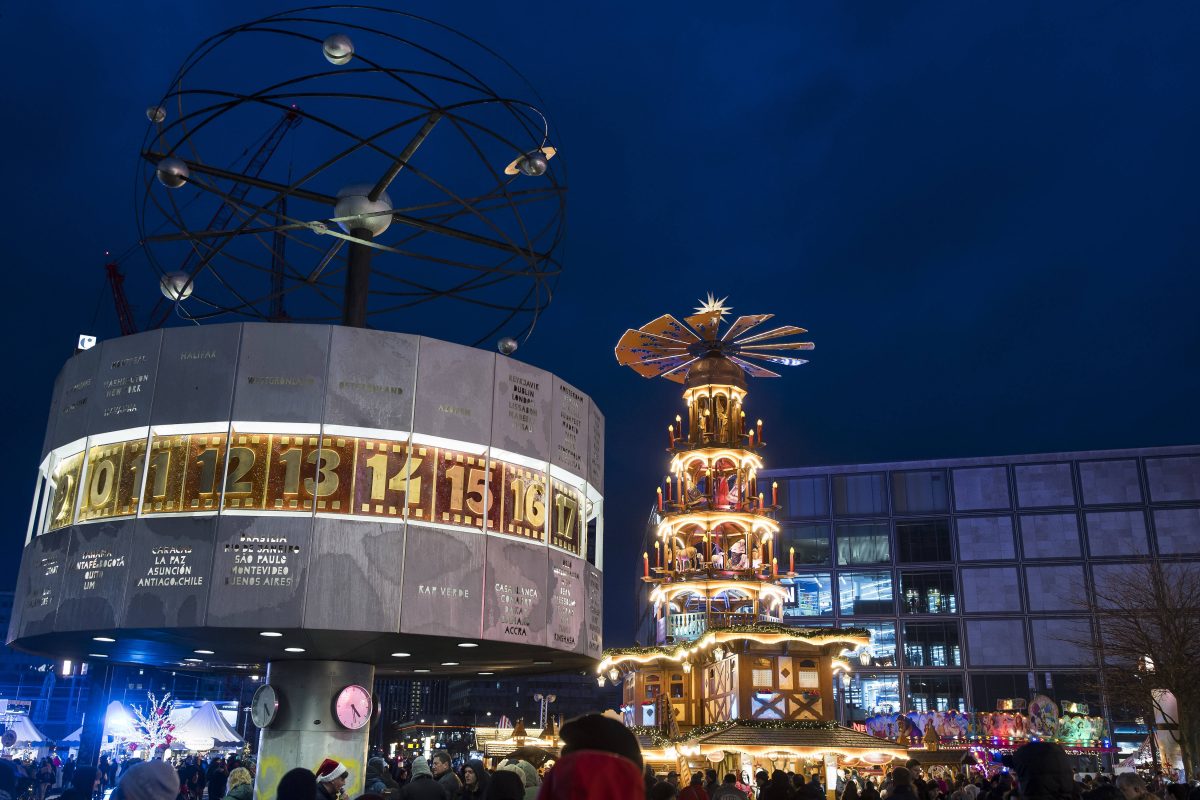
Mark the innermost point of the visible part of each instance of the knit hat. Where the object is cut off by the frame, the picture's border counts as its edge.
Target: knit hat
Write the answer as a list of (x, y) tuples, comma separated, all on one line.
[(597, 732), (1044, 771), (296, 784), (331, 770), (506, 785), (149, 780), (420, 767)]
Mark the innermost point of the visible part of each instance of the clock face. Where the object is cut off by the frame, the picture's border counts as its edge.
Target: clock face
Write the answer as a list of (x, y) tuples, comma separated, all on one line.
[(264, 706), (353, 707)]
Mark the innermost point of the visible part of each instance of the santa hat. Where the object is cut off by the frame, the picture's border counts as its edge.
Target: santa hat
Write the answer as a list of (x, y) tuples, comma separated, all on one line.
[(331, 770)]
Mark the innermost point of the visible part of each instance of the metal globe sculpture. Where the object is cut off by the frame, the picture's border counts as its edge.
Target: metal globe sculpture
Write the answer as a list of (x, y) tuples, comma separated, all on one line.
[(507, 346), (406, 178), (171, 173), (176, 286), (338, 49)]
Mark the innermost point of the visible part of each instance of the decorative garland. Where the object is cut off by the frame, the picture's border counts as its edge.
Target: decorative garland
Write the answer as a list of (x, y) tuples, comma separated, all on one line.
[(793, 630), (764, 725), (749, 628), (655, 735)]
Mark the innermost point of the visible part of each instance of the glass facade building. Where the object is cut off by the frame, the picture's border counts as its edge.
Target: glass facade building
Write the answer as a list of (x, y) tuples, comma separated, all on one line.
[(971, 573)]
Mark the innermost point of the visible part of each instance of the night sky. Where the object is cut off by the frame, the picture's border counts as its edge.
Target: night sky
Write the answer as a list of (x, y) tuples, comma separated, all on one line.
[(986, 215)]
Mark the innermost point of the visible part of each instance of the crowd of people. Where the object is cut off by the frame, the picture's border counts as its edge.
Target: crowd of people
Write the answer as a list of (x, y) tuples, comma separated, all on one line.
[(600, 760)]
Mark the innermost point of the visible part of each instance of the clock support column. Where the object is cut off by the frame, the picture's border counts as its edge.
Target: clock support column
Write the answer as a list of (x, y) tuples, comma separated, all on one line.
[(306, 730)]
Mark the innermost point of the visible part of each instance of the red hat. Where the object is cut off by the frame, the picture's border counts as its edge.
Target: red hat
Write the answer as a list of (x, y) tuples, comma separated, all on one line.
[(330, 770)]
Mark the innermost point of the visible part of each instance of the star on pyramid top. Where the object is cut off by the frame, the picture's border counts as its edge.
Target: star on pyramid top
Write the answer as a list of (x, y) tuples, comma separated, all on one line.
[(713, 306)]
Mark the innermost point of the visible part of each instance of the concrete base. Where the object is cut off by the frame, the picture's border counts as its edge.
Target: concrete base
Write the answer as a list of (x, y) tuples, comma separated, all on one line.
[(305, 731)]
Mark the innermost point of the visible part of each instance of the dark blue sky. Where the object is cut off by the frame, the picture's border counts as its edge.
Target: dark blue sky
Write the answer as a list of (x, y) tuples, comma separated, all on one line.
[(985, 215)]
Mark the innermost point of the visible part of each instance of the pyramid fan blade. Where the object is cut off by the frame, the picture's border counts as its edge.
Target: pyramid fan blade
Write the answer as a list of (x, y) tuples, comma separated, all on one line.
[(780, 346), (678, 373), (655, 368), (640, 355), (705, 324), (637, 346), (668, 326), (743, 324), (775, 333), (787, 361), (753, 370)]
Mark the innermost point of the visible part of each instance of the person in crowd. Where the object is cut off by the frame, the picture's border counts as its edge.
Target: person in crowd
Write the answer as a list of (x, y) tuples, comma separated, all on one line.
[(239, 786), (505, 785), (529, 776), (711, 782), (443, 772), (695, 788), (1044, 772), (85, 782), (68, 771), (1131, 786), (869, 791), (422, 785), (475, 778), (297, 784), (148, 780), (728, 790), (850, 790), (379, 779), (217, 779), (600, 758), (673, 778), (331, 780), (664, 790), (901, 785), (778, 787)]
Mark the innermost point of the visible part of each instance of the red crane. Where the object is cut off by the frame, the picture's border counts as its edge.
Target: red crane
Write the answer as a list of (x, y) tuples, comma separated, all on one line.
[(116, 282)]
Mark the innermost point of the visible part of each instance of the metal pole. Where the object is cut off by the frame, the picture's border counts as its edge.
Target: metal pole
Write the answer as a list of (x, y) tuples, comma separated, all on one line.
[(358, 279)]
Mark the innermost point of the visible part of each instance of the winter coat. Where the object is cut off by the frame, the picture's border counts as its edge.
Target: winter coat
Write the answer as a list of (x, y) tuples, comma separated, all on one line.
[(451, 783), (423, 787), (728, 791), (243, 791)]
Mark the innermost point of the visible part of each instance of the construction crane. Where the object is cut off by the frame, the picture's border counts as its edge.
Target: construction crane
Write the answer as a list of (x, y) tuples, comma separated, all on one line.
[(224, 213), (116, 282)]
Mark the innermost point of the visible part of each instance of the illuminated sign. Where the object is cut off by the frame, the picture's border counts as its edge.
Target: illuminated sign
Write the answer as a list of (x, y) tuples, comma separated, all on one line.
[(242, 470)]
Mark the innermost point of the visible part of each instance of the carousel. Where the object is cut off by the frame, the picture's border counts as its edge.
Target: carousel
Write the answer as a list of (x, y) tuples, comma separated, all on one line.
[(727, 685)]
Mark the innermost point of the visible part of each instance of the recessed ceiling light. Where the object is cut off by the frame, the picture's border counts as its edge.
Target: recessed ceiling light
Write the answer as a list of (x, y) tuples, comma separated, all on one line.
[(194, 660), (420, 670), (401, 655), (103, 639), (203, 652), (543, 663), (487, 673), (449, 663), (97, 655), (272, 634), (467, 644), (293, 649)]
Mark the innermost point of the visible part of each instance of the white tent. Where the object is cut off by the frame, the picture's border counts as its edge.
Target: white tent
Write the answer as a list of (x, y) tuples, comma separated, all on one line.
[(118, 722), (27, 732), (207, 727), (73, 737)]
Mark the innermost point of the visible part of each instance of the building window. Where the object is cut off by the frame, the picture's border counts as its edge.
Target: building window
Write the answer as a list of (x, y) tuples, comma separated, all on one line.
[(811, 542), (676, 686), (923, 541), (919, 492), (804, 498), (928, 592), (931, 644), (989, 688), (863, 543), (881, 652), (858, 495), (865, 593), (809, 595), (935, 693), (873, 693)]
